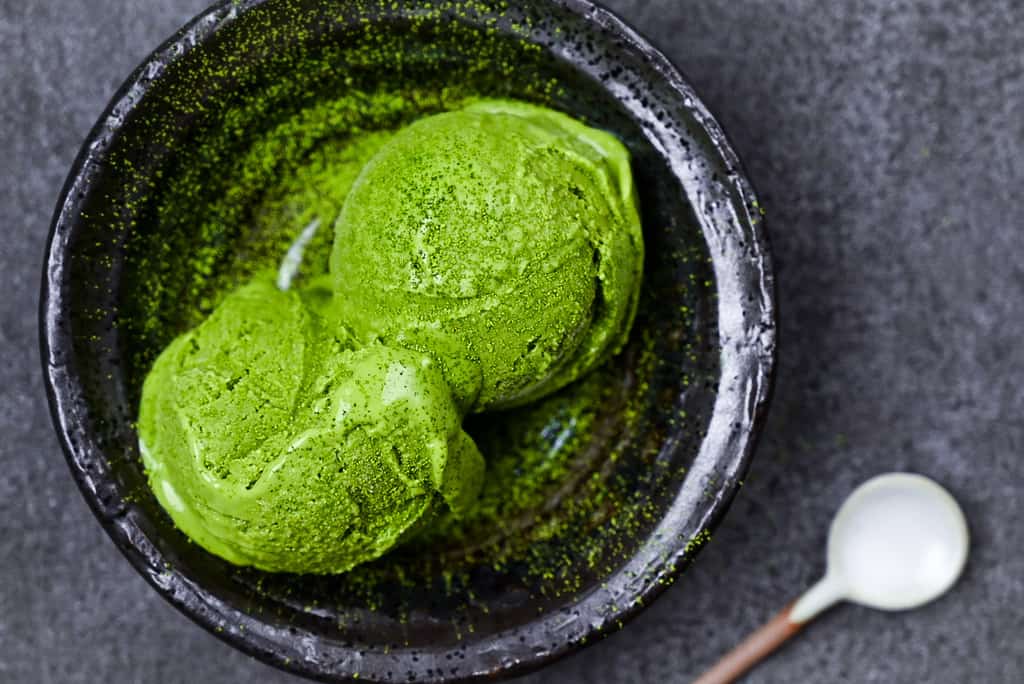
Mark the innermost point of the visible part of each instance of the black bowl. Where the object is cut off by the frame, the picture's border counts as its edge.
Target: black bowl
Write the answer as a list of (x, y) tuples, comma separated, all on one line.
[(619, 479)]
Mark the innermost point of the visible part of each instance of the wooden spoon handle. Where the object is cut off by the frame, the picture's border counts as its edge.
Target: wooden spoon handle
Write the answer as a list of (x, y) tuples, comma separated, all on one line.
[(752, 650)]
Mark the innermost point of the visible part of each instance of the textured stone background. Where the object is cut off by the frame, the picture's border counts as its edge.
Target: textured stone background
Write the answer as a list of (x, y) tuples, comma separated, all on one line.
[(886, 140)]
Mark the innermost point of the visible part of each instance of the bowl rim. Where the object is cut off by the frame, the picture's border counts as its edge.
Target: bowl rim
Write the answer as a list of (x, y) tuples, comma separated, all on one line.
[(749, 392)]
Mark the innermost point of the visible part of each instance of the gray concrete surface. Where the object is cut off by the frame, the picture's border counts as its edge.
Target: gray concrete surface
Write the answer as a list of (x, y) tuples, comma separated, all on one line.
[(887, 140)]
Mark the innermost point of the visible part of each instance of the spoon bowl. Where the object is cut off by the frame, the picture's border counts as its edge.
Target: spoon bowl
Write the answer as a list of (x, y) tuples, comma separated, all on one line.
[(898, 542)]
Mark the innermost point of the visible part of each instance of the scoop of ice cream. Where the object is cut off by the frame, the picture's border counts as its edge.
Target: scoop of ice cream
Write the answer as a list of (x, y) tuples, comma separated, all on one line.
[(503, 239), (273, 441)]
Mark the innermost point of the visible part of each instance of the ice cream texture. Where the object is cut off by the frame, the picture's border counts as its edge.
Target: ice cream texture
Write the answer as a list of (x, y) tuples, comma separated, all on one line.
[(482, 258), (273, 441), (503, 239)]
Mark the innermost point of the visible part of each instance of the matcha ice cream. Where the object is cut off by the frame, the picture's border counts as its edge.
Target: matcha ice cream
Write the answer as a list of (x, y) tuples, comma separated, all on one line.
[(272, 440), (483, 258), (503, 239)]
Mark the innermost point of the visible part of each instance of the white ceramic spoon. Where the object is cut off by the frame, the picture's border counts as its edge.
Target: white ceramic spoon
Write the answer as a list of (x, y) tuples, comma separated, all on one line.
[(898, 542)]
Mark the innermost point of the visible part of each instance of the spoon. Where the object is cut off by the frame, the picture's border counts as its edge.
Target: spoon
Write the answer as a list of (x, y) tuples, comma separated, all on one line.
[(898, 542)]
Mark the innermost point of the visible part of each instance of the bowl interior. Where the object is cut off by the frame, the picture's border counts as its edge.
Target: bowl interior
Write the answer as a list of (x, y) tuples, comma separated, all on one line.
[(206, 167)]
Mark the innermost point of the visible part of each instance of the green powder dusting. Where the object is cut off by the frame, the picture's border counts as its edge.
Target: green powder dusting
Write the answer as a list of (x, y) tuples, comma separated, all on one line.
[(315, 191), (537, 457)]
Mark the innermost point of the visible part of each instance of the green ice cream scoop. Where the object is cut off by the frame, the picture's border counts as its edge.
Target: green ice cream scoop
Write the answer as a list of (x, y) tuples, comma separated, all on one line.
[(503, 239), (272, 440)]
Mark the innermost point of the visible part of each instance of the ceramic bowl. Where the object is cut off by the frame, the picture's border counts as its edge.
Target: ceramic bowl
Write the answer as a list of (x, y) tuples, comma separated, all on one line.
[(160, 215)]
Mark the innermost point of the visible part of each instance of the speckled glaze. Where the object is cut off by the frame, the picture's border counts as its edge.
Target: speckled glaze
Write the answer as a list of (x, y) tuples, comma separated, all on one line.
[(649, 450)]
